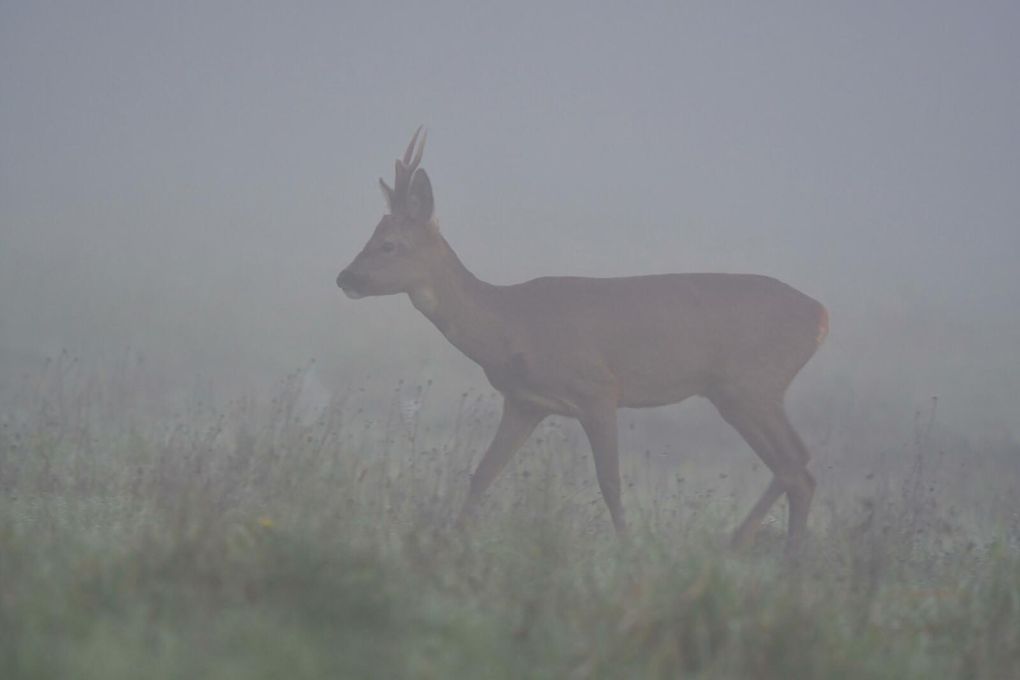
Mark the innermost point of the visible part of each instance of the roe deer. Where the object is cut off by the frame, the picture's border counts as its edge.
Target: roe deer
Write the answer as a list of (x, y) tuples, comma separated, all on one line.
[(584, 347)]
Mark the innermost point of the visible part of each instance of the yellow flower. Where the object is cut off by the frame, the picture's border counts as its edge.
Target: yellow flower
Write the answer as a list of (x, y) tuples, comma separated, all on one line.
[(266, 522)]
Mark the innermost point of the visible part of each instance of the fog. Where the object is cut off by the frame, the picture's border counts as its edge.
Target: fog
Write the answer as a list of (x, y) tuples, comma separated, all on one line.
[(179, 185)]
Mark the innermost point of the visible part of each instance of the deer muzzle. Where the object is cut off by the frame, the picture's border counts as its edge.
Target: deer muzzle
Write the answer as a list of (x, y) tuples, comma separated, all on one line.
[(350, 284)]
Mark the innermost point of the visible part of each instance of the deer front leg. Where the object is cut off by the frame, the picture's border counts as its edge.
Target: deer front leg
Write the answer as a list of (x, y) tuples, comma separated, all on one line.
[(600, 426), (518, 422)]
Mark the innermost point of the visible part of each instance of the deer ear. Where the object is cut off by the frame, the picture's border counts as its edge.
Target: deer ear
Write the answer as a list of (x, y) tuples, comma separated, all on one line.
[(387, 193), (420, 204)]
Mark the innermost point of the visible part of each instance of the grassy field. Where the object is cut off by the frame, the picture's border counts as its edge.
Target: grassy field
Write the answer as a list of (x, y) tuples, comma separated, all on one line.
[(259, 542)]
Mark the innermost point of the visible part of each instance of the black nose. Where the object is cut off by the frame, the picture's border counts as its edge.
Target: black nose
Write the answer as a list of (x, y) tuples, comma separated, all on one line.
[(347, 280)]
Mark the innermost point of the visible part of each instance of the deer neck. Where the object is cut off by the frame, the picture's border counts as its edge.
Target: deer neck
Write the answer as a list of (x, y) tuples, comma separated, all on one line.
[(463, 308)]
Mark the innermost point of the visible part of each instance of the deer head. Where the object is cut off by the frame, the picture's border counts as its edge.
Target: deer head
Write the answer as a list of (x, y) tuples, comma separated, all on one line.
[(405, 248)]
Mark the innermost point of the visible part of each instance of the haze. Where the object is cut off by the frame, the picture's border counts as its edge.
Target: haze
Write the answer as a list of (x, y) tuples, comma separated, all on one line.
[(183, 183)]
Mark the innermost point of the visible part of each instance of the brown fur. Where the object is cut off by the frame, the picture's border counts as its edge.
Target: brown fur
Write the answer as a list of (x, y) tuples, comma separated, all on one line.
[(584, 347)]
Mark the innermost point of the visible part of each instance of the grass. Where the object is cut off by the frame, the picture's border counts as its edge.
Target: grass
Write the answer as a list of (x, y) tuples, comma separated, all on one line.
[(259, 542)]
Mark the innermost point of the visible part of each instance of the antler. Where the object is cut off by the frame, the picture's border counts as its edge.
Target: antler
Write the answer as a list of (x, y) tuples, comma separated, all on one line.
[(410, 147), (406, 166)]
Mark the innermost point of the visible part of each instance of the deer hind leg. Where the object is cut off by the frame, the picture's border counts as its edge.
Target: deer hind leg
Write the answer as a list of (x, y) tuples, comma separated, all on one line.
[(800, 485), (753, 433), (518, 422), (599, 425), (744, 534), (764, 426)]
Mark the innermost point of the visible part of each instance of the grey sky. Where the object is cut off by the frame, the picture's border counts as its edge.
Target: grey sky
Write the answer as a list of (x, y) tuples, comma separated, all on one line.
[(205, 169)]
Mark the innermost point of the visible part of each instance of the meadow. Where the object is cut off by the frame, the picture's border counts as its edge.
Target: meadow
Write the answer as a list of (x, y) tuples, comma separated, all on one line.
[(263, 540)]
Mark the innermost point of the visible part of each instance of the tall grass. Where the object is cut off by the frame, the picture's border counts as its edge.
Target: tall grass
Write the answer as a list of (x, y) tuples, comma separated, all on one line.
[(273, 540)]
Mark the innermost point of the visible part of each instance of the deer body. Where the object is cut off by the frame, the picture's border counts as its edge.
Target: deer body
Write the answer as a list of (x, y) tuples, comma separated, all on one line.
[(584, 347)]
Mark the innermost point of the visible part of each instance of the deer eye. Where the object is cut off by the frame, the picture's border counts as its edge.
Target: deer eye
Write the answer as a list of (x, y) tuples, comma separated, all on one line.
[(388, 246)]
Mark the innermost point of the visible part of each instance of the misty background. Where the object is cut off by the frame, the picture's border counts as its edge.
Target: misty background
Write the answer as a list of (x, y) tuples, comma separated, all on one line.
[(181, 183)]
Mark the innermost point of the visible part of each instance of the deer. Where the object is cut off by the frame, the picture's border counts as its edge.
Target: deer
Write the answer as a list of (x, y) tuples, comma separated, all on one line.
[(582, 348)]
